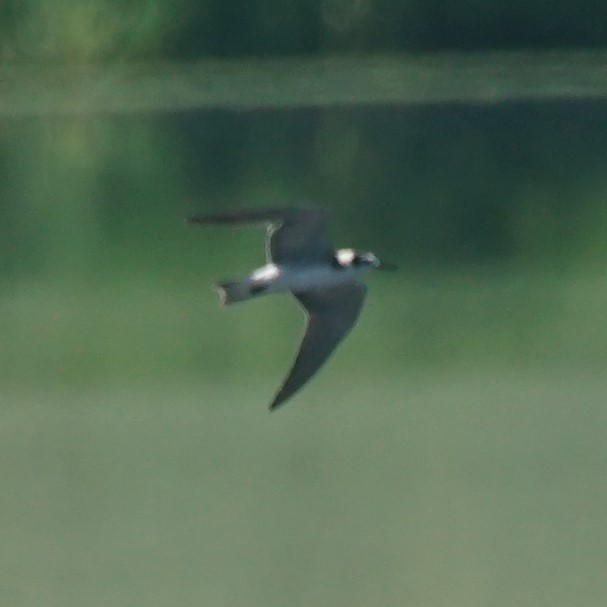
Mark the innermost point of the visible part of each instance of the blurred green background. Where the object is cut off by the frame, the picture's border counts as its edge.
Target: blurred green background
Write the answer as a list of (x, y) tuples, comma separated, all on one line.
[(452, 453)]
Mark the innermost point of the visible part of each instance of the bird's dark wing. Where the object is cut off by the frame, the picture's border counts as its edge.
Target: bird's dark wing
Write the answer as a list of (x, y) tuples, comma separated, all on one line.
[(242, 216), (295, 235), (301, 237), (331, 315)]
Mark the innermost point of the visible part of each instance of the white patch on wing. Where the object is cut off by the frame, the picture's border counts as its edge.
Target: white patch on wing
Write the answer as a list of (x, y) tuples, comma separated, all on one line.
[(267, 273)]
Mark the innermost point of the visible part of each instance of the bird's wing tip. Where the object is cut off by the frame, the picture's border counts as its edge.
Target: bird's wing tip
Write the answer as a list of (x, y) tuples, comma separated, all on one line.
[(275, 404), (278, 401)]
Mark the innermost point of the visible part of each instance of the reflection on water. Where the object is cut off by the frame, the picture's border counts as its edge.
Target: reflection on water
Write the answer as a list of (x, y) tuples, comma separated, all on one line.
[(496, 215), (453, 444)]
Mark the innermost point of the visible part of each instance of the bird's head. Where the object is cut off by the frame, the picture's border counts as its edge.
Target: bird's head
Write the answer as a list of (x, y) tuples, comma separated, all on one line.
[(359, 260)]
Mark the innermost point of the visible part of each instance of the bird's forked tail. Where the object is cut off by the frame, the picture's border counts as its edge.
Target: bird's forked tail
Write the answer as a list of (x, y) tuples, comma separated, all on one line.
[(234, 291)]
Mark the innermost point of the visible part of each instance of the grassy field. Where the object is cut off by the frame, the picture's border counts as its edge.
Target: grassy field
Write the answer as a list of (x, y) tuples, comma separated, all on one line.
[(458, 460)]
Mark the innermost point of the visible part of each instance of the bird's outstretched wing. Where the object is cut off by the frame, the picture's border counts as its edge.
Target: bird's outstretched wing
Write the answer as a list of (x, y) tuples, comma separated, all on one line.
[(331, 315), (301, 237), (295, 234)]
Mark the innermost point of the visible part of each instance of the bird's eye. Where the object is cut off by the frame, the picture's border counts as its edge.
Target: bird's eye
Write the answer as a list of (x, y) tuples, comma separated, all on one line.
[(357, 260)]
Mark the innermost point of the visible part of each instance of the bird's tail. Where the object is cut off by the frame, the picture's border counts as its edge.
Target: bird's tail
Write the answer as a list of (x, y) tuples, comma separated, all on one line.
[(234, 291)]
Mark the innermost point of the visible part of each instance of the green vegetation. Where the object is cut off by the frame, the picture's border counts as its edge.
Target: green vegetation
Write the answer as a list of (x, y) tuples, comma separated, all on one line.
[(105, 30)]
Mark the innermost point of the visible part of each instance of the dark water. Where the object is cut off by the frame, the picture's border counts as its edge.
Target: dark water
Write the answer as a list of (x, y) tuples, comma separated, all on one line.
[(451, 453)]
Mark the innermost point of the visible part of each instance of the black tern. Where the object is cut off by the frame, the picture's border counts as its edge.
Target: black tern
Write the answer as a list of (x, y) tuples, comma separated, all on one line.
[(302, 261)]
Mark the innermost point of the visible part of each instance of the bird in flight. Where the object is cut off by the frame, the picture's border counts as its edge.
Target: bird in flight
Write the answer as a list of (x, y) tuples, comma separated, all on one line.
[(301, 260)]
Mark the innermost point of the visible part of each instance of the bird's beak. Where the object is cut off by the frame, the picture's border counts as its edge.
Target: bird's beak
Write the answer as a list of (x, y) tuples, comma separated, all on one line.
[(386, 265)]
